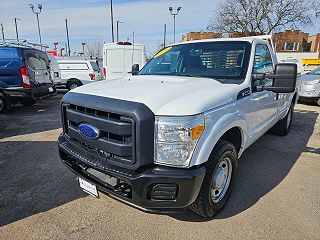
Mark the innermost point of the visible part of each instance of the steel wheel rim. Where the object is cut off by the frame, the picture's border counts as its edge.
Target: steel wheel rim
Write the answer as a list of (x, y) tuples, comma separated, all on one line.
[(289, 118), (1, 104), (221, 179), (73, 85)]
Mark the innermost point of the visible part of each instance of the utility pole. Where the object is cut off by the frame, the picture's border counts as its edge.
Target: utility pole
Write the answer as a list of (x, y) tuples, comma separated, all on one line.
[(118, 30), (2, 30), (174, 14), (15, 22), (164, 35), (37, 14), (111, 9), (68, 40)]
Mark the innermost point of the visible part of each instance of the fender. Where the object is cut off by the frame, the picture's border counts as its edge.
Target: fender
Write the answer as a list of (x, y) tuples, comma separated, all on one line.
[(217, 123)]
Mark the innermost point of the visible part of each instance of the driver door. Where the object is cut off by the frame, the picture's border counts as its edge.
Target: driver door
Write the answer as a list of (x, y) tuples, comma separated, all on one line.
[(261, 112)]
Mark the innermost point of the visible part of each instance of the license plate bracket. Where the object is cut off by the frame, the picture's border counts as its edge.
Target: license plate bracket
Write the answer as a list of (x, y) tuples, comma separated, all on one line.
[(88, 187)]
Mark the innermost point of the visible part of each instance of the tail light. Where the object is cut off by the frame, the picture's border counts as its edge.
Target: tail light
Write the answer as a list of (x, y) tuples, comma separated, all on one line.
[(25, 77), (105, 72), (92, 76)]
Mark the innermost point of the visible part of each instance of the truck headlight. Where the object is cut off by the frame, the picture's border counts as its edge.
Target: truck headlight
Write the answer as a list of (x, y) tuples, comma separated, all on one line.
[(176, 139)]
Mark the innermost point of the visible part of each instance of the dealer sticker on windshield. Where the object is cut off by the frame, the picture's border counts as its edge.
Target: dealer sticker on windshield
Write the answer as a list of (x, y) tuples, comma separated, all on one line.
[(88, 187)]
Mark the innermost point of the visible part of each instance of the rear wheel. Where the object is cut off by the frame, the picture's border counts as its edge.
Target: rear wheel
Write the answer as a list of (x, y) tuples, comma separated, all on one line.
[(282, 127), (28, 102), (220, 175), (5, 103), (73, 84)]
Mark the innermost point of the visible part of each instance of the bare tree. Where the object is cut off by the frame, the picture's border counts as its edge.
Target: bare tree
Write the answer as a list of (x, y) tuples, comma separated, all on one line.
[(255, 17), (94, 49)]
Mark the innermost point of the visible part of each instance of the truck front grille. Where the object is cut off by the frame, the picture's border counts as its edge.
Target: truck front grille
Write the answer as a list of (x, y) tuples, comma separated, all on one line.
[(116, 142)]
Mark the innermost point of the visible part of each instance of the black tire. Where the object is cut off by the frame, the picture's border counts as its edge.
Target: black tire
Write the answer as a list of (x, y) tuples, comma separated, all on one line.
[(28, 102), (282, 127), (205, 205), (5, 103), (74, 83)]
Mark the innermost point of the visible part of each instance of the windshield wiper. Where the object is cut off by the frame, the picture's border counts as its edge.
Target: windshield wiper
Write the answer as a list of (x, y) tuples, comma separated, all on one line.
[(184, 75)]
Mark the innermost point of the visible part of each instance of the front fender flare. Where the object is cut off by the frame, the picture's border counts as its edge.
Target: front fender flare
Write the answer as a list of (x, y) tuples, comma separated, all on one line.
[(215, 128)]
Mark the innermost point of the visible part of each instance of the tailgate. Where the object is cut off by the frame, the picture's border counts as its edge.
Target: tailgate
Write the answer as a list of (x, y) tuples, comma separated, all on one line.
[(37, 63)]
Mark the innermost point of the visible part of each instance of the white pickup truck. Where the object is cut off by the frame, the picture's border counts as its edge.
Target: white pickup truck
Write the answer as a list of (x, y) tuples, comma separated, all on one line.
[(169, 136)]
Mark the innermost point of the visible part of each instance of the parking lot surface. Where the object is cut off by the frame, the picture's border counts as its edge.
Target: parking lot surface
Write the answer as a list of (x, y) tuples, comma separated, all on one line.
[(276, 195)]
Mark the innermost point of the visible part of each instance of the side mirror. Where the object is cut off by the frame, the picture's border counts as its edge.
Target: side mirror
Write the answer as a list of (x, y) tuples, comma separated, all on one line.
[(284, 78), (135, 69)]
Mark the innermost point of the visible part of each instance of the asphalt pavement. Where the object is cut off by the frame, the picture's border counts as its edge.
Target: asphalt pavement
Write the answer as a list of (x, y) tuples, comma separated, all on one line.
[(276, 194)]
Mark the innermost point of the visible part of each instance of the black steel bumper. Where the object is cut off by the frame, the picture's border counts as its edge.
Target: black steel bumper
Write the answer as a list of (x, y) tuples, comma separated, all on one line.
[(33, 92), (155, 189)]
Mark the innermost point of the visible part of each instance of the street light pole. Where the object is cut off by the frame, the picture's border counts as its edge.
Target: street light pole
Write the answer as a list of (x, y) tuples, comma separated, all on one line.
[(2, 31), (118, 30), (174, 14), (15, 22), (83, 44), (111, 9), (37, 14), (68, 40)]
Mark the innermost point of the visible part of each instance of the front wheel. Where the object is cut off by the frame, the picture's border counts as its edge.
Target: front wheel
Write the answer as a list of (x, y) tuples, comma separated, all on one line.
[(221, 169)]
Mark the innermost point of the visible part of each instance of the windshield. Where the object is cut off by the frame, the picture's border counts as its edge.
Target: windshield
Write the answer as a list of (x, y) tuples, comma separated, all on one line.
[(219, 60), (94, 66), (315, 71)]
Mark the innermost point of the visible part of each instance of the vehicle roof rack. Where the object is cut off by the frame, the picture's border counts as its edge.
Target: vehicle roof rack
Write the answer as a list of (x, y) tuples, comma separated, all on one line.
[(21, 43)]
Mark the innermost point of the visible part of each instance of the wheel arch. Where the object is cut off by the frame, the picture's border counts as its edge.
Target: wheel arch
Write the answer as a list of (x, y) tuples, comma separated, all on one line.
[(231, 128)]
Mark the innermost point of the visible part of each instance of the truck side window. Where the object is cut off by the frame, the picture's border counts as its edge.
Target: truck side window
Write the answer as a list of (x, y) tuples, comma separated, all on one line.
[(262, 63)]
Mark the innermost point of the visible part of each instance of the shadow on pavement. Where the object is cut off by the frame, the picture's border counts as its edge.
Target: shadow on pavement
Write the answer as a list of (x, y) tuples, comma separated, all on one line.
[(264, 165), (33, 180), (44, 115)]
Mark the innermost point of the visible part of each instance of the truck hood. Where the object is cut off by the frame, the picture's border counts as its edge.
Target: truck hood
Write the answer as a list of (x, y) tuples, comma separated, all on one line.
[(167, 95)]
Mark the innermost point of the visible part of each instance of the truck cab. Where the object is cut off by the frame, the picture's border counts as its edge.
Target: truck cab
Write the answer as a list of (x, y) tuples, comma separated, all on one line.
[(169, 137)]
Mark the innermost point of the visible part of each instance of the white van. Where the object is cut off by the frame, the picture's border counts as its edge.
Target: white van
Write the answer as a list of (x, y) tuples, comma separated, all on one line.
[(118, 59), (77, 72), (54, 70)]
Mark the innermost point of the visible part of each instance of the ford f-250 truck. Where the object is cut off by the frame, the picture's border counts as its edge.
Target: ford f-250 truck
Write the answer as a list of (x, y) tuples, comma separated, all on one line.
[(169, 137)]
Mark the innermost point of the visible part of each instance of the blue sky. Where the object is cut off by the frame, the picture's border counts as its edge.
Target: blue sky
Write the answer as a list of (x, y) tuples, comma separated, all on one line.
[(89, 20)]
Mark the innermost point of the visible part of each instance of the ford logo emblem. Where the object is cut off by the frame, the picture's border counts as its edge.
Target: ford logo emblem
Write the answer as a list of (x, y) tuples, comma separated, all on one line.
[(88, 131)]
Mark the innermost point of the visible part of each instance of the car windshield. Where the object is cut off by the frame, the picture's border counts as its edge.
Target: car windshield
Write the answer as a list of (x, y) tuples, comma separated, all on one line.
[(220, 60), (315, 71)]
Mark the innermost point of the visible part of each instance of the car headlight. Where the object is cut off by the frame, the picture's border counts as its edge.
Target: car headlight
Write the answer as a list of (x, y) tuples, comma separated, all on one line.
[(314, 82), (176, 139)]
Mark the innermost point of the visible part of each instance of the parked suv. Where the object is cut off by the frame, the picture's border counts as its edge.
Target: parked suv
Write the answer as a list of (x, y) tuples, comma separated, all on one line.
[(24, 76), (170, 137), (77, 72)]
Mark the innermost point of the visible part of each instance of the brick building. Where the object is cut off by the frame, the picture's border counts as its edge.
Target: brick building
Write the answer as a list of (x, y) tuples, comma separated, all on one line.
[(296, 41), (200, 35)]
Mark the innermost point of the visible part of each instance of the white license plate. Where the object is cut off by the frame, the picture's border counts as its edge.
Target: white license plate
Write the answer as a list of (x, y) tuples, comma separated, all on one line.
[(88, 187), (50, 89)]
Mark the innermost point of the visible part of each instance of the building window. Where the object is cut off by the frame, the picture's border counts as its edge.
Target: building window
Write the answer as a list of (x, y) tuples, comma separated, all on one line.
[(291, 46)]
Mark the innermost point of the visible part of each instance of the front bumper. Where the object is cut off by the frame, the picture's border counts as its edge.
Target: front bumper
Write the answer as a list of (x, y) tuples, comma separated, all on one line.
[(155, 189)]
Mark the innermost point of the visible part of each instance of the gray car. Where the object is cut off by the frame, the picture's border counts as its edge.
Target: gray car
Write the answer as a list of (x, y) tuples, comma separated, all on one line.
[(310, 87)]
